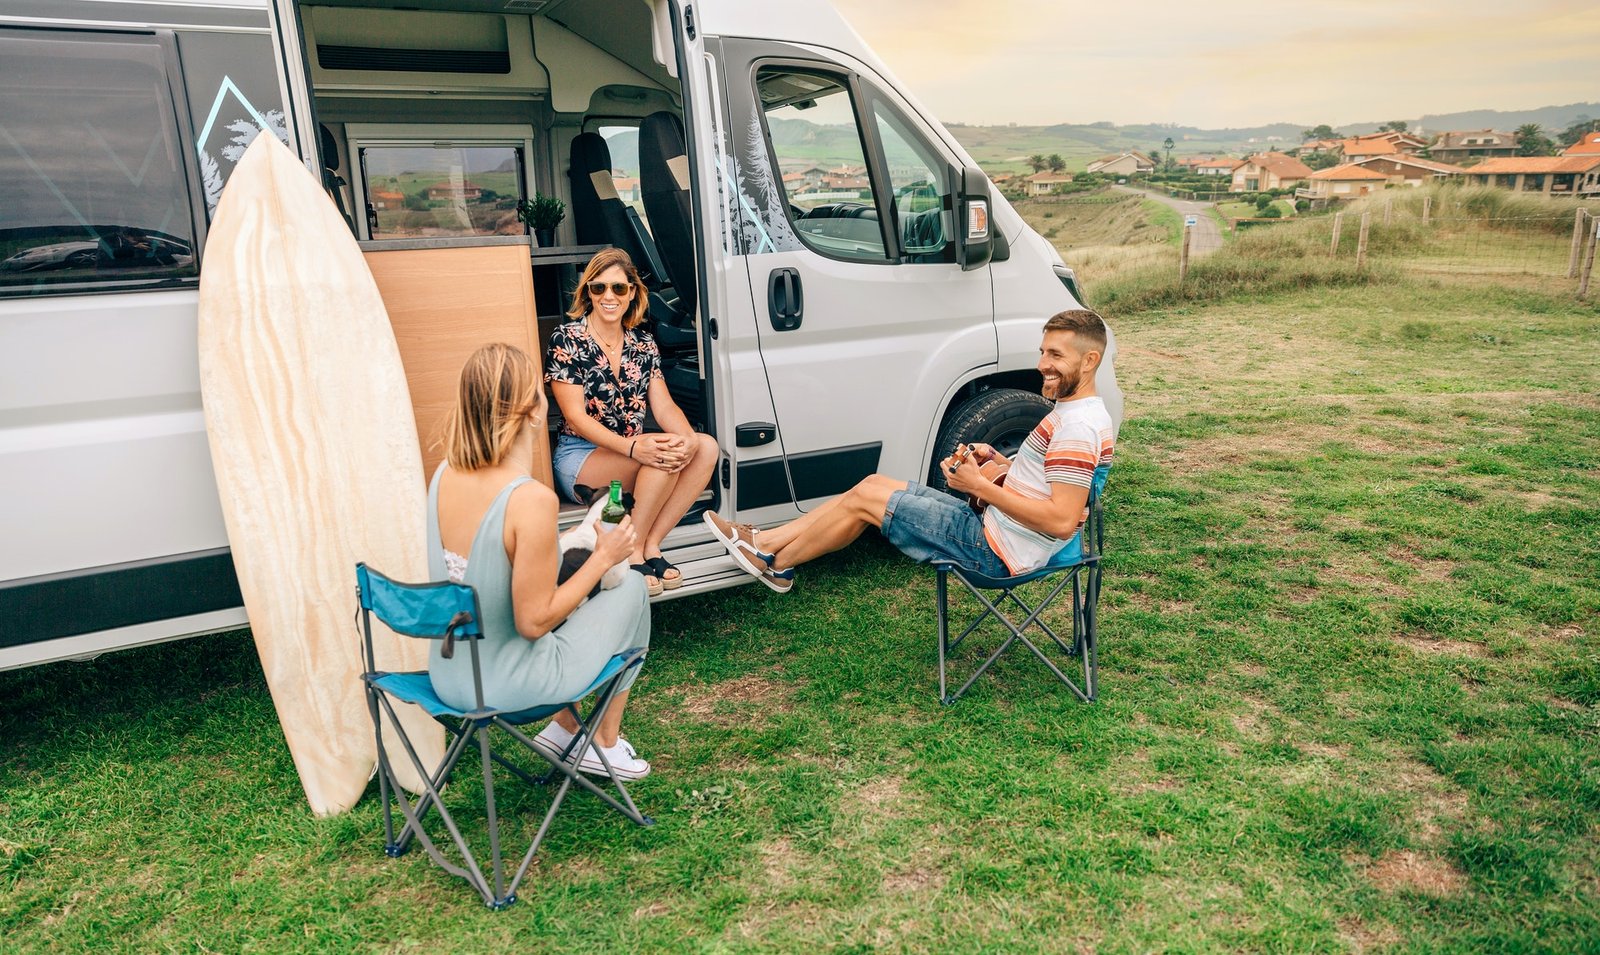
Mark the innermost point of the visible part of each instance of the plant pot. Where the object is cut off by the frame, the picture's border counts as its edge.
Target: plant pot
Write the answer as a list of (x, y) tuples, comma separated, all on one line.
[(545, 237)]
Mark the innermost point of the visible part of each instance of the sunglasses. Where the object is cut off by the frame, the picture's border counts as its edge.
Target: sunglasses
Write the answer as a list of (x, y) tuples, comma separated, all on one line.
[(619, 289)]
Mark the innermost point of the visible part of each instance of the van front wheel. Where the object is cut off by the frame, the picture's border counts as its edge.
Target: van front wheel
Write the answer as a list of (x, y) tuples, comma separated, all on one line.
[(1001, 417)]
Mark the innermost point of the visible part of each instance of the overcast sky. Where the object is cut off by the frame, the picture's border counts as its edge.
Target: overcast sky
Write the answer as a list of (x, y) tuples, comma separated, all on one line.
[(1216, 63)]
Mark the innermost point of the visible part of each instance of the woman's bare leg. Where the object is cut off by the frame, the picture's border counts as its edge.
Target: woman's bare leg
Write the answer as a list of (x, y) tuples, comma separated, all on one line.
[(606, 733), (690, 482), (650, 487)]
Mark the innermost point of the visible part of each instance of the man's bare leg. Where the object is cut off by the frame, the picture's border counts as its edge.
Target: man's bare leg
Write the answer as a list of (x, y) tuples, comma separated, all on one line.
[(832, 526)]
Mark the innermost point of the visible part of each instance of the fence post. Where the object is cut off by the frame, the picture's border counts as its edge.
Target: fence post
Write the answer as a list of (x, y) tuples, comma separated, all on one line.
[(1577, 242), (1388, 210), (1588, 262), (1361, 242), (1427, 208), (1183, 254), (1338, 223)]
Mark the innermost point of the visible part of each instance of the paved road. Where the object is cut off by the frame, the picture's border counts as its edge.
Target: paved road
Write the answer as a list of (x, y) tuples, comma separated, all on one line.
[(1207, 237)]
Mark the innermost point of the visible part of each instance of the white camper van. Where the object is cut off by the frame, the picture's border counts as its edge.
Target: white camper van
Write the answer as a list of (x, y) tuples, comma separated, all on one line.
[(835, 289)]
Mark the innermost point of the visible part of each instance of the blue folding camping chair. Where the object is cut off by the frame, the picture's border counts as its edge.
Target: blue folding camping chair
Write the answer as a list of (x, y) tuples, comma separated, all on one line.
[(1078, 567), (449, 612)]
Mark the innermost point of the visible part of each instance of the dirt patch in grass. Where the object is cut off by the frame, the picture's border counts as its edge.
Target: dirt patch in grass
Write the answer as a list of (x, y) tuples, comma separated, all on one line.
[(1439, 646), (732, 702), (1438, 568), (1363, 936), (779, 861), (1405, 870), (1359, 571), (882, 796)]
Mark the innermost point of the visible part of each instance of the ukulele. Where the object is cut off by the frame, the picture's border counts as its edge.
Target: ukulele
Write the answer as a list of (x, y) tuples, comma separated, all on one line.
[(990, 469)]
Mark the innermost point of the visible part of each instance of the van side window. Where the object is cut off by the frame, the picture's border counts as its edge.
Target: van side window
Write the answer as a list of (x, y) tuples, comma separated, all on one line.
[(233, 96), (448, 189), (812, 128), (921, 193), (91, 163)]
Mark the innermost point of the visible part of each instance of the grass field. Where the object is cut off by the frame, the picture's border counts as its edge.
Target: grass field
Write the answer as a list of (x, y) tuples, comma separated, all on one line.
[(1350, 702), (1100, 239)]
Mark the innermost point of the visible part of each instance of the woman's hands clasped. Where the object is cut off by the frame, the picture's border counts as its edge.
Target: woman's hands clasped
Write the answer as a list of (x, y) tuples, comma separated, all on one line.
[(613, 547), (664, 452)]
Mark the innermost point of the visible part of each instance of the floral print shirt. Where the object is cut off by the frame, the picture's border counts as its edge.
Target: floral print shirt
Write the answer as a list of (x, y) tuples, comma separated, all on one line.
[(617, 400)]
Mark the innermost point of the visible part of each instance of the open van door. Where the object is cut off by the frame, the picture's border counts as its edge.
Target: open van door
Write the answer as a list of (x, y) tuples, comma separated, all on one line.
[(870, 298)]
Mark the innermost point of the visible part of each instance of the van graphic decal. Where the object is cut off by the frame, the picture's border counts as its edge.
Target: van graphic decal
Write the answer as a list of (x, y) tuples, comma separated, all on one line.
[(766, 227), (244, 129)]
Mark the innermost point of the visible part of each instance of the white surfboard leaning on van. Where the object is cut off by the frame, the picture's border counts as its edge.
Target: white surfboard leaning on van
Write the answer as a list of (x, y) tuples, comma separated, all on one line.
[(835, 288)]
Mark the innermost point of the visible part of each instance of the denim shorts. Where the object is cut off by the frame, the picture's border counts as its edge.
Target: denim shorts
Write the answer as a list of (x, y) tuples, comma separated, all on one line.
[(567, 460), (931, 525)]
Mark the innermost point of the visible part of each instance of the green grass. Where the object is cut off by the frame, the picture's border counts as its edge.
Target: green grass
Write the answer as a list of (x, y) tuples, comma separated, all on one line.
[(1350, 701)]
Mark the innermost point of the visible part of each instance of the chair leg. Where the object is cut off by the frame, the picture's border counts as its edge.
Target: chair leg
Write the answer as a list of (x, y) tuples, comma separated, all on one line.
[(942, 591)]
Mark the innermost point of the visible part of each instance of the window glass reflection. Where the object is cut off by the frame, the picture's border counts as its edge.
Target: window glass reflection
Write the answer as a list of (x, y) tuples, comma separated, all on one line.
[(91, 178)]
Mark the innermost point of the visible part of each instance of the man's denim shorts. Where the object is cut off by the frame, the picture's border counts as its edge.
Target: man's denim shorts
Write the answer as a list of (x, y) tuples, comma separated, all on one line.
[(931, 525), (567, 460)]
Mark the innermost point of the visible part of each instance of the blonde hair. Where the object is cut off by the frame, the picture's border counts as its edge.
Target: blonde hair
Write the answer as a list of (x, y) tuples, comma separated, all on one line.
[(582, 302), (498, 392)]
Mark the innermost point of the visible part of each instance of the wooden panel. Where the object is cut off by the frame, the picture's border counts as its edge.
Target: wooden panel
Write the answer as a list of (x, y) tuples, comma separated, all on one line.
[(444, 304)]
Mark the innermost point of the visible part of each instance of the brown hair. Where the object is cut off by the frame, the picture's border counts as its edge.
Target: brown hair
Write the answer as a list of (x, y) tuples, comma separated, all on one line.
[(1085, 323), (499, 391), (605, 259)]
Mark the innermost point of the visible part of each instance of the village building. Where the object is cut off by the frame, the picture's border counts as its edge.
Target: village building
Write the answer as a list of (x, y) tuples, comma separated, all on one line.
[(1550, 175), (1044, 183), (1123, 164), (1269, 171), (1589, 145), (1466, 147), (1347, 181), (1410, 170), (1219, 167)]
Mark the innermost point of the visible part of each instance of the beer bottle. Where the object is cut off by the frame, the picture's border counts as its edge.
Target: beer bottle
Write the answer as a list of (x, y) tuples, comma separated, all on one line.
[(613, 511)]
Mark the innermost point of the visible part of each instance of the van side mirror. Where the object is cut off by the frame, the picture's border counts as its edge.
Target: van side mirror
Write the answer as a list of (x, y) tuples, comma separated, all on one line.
[(974, 236)]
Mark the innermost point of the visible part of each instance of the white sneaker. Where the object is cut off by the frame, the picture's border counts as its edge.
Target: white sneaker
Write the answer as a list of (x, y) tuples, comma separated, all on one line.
[(552, 740), (624, 761)]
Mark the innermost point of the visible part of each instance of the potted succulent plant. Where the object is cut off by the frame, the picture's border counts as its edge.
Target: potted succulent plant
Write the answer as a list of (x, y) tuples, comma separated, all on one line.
[(542, 214)]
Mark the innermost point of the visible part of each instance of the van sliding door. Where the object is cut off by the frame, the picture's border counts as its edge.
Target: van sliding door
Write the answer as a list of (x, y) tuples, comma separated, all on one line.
[(864, 317)]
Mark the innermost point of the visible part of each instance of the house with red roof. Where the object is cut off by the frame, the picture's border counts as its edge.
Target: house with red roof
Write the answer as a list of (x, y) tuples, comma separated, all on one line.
[(1347, 181), (1222, 166), (1551, 175), (1403, 170), (1589, 145), (1269, 171)]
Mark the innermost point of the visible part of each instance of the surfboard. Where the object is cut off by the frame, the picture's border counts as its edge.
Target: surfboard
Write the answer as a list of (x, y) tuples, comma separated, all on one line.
[(316, 457)]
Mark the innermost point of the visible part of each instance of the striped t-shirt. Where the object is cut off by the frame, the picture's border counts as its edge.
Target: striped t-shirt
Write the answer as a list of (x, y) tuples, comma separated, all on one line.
[(1073, 439)]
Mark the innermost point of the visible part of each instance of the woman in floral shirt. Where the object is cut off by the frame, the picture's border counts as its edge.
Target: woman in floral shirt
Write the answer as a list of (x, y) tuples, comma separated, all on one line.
[(605, 373)]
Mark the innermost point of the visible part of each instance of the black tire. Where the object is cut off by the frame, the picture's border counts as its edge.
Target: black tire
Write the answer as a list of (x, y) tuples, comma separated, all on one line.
[(1001, 417)]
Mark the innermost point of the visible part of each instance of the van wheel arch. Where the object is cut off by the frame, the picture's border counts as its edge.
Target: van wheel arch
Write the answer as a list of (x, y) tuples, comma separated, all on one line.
[(1000, 416)]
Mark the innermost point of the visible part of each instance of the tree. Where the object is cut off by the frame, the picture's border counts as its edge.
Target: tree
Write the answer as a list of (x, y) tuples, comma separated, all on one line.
[(1322, 132), (1168, 147), (1055, 162), (1038, 162), (1393, 125), (1531, 141), (1320, 160)]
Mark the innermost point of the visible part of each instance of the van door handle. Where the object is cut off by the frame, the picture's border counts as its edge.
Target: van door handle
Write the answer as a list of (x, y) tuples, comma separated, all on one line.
[(785, 299)]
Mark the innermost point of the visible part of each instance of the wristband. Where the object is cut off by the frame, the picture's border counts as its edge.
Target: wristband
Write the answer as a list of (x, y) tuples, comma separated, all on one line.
[(630, 448)]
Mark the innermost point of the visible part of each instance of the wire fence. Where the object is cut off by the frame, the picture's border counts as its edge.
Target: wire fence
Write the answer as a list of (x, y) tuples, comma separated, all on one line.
[(1418, 239)]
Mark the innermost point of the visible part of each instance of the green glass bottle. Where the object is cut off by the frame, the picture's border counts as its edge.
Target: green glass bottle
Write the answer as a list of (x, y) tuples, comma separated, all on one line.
[(613, 511)]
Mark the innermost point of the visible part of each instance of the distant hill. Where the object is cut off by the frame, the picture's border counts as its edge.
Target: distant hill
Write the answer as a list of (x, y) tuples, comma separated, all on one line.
[(1552, 118)]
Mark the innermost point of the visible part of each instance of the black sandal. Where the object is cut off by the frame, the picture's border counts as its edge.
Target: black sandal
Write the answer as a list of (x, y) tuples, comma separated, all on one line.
[(652, 584), (660, 567)]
